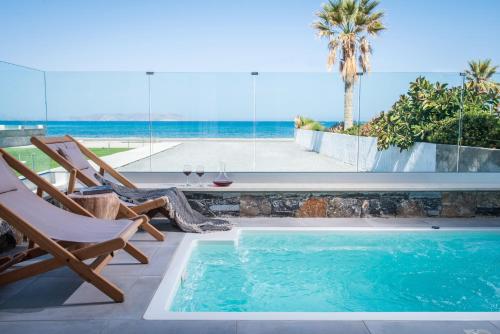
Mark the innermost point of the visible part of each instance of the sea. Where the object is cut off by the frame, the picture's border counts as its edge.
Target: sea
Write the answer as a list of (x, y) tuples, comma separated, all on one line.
[(167, 129)]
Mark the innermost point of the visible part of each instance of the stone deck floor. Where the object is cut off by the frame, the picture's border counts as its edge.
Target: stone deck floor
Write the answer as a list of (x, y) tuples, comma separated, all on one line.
[(58, 301), (239, 156)]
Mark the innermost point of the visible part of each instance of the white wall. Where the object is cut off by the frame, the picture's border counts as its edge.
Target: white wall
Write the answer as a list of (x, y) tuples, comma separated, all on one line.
[(420, 158)]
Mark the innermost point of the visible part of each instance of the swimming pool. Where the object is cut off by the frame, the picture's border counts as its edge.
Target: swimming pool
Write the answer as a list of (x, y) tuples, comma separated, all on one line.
[(330, 273)]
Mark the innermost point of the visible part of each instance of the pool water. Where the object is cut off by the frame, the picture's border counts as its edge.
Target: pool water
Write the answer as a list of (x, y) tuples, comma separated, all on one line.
[(438, 271)]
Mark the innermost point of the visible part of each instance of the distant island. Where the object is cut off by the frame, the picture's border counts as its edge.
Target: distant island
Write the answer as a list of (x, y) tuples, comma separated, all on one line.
[(128, 117)]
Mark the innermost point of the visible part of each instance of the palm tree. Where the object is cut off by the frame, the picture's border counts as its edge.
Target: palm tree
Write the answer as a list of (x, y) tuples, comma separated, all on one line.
[(347, 24), (480, 73)]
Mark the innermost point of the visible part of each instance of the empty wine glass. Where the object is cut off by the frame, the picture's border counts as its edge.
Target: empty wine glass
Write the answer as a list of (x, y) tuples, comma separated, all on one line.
[(200, 171), (187, 171)]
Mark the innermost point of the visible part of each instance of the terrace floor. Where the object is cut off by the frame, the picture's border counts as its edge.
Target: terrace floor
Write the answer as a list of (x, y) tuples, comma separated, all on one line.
[(269, 155), (58, 301)]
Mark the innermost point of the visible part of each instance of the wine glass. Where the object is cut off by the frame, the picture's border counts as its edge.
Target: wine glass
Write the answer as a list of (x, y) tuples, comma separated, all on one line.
[(187, 171), (200, 171)]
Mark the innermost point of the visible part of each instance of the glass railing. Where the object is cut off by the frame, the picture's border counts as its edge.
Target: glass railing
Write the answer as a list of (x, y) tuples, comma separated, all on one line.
[(399, 113), (259, 122), (107, 111), (315, 101), (201, 120), (479, 127), (23, 113)]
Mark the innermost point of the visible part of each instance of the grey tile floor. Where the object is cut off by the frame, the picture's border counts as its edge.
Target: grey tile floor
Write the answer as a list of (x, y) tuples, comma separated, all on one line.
[(59, 302), (240, 156)]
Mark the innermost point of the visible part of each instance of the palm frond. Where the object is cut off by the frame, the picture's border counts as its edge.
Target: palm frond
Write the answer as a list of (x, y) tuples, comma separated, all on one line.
[(480, 71), (365, 52), (322, 29), (332, 54), (346, 24), (368, 6)]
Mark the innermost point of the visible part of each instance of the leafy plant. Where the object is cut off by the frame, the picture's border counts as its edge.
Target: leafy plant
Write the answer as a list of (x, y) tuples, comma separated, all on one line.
[(357, 129), (315, 126), (416, 116), (479, 128), (434, 112), (406, 122), (308, 124), (301, 121)]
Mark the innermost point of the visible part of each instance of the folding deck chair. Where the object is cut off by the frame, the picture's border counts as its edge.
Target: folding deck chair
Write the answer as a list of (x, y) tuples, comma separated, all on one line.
[(70, 238), (72, 156)]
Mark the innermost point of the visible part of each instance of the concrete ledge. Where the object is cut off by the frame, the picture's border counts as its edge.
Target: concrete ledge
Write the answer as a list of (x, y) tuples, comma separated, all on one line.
[(20, 136), (278, 182)]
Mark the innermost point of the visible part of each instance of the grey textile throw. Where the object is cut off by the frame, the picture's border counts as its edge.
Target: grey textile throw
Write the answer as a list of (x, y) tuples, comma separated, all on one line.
[(178, 207)]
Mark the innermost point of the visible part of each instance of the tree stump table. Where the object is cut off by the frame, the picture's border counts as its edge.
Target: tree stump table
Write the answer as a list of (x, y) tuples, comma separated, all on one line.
[(104, 206)]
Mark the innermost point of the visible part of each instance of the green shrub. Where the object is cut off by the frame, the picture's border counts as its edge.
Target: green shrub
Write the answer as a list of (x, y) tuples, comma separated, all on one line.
[(301, 121), (355, 130), (430, 112), (308, 124), (417, 115), (479, 128), (315, 126)]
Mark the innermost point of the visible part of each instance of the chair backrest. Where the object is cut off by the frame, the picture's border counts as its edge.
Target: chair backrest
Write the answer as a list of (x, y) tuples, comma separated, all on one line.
[(39, 219), (24, 204), (8, 180), (74, 156), (70, 151)]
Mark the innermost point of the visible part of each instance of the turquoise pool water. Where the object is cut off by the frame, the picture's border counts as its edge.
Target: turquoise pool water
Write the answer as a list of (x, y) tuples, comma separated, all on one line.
[(435, 271)]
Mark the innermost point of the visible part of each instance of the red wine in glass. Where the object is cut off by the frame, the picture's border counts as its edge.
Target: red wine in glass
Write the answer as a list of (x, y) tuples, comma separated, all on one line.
[(187, 171), (200, 171)]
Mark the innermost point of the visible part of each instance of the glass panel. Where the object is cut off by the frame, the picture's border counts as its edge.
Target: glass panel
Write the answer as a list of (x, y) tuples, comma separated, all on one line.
[(107, 111), (407, 122), (22, 113), (166, 121), (200, 119), (316, 102), (480, 126)]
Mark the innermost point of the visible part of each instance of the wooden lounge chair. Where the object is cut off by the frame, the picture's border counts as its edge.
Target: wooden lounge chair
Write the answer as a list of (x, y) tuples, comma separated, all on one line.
[(70, 238), (72, 156)]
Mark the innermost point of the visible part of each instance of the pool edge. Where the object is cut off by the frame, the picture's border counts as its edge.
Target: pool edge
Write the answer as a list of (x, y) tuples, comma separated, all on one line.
[(157, 308)]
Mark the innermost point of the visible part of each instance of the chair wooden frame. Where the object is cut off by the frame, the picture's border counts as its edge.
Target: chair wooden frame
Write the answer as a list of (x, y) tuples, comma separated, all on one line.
[(75, 174), (70, 254)]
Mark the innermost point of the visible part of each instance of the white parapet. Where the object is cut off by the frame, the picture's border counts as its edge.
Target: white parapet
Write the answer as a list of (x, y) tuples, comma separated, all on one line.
[(362, 152)]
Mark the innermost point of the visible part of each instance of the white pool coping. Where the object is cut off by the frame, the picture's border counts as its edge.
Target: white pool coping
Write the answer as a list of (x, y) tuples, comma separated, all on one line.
[(164, 295)]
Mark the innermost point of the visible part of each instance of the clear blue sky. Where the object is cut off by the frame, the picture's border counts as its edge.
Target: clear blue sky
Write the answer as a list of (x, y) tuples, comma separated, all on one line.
[(228, 36), (238, 35)]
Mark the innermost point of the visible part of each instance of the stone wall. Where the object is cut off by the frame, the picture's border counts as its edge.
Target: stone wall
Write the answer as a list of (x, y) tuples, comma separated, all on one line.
[(421, 157), (347, 204)]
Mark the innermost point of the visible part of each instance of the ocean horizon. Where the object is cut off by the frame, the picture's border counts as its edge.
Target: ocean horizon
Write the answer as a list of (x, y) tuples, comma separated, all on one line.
[(167, 129)]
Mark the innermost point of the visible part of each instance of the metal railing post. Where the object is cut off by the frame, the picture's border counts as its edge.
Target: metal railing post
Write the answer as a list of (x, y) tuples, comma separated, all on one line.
[(149, 74), (461, 112), (254, 83)]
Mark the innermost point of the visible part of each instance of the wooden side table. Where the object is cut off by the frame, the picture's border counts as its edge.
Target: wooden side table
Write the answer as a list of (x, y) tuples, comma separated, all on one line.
[(104, 206)]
